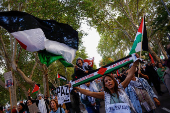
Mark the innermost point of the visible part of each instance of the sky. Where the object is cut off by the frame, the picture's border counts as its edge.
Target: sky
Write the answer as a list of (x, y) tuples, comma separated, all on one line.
[(90, 42)]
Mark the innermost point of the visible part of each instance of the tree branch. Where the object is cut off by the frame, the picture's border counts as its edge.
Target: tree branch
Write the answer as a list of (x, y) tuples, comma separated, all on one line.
[(5, 53), (134, 26), (28, 80), (33, 70), (125, 32), (131, 17)]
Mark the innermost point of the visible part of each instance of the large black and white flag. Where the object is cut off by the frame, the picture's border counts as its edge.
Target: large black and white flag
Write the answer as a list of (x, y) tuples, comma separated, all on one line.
[(35, 34)]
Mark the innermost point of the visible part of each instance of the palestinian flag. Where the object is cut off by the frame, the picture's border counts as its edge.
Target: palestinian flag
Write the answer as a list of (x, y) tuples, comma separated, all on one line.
[(89, 61), (103, 70), (34, 34), (61, 77), (140, 36), (36, 88)]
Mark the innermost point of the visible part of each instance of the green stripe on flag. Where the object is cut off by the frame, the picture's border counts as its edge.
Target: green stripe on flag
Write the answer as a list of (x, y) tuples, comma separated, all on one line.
[(35, 92), (134, 47), (48, 58), (98, 75)]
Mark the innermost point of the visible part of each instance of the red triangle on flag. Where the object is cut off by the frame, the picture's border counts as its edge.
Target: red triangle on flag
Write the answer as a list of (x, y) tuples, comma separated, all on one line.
[(141, 26), (58, 76), (22, 44), (36, 88), (102, 70)]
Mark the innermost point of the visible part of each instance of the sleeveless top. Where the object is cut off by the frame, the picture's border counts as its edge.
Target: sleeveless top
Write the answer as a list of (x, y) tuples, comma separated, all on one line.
[(122, 96)]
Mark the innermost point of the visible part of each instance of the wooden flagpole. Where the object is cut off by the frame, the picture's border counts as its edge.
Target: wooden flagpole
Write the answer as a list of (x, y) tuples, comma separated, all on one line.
[(10, 98), (66, 74), (141, 45)]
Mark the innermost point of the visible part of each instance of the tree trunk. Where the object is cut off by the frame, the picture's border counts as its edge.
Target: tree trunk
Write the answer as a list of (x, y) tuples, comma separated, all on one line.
[(154, 55), (45, 81), (46, 85), (47, 90), (163, 50), (13, 95)]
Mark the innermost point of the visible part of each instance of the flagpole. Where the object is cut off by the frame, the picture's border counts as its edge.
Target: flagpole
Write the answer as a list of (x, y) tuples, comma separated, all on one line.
[(78, 67), (10, 98), (58, 81), (141, 43), (66, 74)]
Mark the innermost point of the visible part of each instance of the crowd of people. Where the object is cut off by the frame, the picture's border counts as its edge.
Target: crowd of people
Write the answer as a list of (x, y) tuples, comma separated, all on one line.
[(131, 88)]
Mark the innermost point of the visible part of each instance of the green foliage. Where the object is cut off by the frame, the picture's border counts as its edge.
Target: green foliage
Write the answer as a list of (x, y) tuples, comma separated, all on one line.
[(161, 25), (62, 11), (4, 95), (106, 60)]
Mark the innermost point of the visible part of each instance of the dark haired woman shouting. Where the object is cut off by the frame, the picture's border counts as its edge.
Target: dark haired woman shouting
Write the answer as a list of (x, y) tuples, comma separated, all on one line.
[(116, 100)]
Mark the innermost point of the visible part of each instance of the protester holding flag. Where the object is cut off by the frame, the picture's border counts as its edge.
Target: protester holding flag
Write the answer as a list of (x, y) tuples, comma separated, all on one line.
[(81, 68), (113, 93), (41, 104)]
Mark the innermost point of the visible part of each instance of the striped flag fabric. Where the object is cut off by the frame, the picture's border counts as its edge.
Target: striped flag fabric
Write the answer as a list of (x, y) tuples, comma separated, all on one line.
[(34, 34), (36, 88), (103, 70), (140, 36), (61, 77)]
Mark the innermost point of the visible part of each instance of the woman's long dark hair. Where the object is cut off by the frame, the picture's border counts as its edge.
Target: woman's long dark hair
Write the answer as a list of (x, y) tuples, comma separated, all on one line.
[(116, 89), (55, 103), (23, 108)]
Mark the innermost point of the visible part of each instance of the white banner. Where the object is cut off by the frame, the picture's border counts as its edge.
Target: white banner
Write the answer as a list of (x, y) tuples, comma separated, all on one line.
[(63, 94), (8, 79), (118, 108)]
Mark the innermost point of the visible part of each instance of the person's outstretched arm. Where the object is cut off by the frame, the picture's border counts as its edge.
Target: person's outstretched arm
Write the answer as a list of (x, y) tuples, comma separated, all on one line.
[(99, 95), (131, 72)]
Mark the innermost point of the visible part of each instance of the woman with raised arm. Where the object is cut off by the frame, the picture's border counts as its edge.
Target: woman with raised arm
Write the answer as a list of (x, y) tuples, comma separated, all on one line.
[(114, 95)]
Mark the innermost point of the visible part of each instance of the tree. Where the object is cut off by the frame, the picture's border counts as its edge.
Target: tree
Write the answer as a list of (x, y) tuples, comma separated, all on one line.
[(118, 21), (26, 67), (106, 60)]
